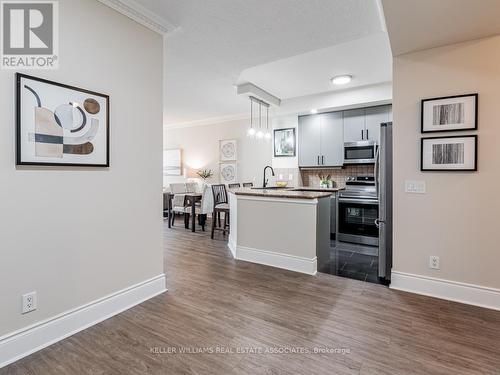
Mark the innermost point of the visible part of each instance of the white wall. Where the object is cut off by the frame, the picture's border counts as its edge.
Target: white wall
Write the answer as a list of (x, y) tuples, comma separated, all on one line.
[(200, 149), (77, 234), (458, 218)]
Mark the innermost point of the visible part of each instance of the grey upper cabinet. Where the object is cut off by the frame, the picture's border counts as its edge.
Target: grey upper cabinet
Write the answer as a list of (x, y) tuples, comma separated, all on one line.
[(374, 117), (309, 141), (332, 139), (321, 140), (321, 137), (364, 124), (354, 125)]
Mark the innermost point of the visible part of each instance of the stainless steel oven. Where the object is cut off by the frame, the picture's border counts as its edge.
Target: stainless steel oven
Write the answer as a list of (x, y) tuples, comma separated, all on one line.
[(358, 210), (362, 152)]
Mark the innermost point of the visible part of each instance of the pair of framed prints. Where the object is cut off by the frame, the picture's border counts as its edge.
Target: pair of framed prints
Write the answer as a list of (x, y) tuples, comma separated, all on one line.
[(449, 114)]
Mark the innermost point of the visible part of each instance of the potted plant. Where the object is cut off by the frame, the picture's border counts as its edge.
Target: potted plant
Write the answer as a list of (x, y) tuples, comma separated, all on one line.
[(325, 181), (205, 174)]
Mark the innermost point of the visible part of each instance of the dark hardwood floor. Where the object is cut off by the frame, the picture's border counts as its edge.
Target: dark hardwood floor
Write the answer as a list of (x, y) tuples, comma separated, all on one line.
[(214, 301)]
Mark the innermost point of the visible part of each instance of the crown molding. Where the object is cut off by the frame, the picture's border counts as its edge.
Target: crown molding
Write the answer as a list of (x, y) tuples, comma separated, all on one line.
[(140, 14)]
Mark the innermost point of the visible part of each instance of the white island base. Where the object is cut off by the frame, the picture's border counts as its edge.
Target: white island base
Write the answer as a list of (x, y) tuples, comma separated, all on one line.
[(280, 229)]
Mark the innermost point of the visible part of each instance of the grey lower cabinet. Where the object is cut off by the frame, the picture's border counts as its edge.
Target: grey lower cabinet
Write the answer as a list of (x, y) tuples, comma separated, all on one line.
[(321, 140)]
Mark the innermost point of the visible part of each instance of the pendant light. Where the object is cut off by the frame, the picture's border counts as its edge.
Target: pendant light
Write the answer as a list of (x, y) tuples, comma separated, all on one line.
[(267, 134), (260, 133), (251, 130)]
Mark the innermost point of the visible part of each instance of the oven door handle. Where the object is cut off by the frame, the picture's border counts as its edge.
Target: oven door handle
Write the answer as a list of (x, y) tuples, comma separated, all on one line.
[(361, 201)]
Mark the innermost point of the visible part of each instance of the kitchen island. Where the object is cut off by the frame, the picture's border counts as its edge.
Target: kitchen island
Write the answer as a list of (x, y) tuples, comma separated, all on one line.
[(284, 228)]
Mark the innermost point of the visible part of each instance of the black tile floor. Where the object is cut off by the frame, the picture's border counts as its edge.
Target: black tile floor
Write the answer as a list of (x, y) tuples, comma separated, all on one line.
[(353, 261)]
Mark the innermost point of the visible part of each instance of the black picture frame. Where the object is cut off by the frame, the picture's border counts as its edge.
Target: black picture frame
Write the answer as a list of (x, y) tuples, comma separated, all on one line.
[(474, 169), (19, 162), (294, 143), (476, 110)]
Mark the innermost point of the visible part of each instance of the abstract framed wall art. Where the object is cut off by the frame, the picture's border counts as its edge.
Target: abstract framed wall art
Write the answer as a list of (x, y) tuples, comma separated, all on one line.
[(284, 142), (172, 162), (454, 153), (60, 125), (450, 113), (228, 173), (228, 150)]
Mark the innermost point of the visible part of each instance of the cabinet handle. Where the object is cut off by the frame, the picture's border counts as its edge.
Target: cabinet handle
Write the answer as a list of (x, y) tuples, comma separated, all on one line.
[(367, 134), (318, 159), (322, 160), (362, 135)]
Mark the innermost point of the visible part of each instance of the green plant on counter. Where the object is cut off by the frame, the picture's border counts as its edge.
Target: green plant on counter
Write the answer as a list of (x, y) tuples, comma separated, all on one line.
[(205, 173), (325, 180)]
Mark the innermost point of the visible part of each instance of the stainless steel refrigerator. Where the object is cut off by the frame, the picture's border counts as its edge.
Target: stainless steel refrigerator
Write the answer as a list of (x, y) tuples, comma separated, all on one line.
[(383, 173)]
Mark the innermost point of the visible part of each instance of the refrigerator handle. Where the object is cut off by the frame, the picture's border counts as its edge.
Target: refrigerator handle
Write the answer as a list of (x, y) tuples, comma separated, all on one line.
[(376, 169)]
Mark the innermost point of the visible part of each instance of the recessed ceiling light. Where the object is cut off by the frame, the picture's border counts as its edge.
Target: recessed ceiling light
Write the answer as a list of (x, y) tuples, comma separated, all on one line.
[(341, 80), (314, 110)]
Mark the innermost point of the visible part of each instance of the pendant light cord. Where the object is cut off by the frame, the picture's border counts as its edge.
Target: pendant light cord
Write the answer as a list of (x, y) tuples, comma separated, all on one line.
[(251, 113)]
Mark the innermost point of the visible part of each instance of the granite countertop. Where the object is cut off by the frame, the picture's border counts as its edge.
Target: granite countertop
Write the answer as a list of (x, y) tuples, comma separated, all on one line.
[(281, 193), (310, 188)]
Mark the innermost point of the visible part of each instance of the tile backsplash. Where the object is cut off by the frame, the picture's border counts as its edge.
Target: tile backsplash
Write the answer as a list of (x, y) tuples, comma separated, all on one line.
[(310, 177)]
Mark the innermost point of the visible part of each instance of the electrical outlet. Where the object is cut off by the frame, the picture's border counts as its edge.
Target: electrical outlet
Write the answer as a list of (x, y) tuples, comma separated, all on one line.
[(434, 262), (29, 302), (416, 187), (290, 177)]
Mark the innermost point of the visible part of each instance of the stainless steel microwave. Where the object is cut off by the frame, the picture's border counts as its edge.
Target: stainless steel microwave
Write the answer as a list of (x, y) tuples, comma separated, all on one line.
[(361, 152)]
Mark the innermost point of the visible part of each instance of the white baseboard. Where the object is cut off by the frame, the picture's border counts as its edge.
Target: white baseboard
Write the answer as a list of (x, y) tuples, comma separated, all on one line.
[(28, 340), (450, 290), (279, 260)]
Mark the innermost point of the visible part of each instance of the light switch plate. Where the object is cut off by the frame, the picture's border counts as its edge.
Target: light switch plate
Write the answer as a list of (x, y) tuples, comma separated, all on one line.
[(415, 187)]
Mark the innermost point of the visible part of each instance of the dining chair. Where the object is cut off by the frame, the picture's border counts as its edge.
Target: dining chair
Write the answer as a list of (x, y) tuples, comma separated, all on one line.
[(248, 184), (191, 187), (203, 207), (234, 186), (179, 200), (221, 205)]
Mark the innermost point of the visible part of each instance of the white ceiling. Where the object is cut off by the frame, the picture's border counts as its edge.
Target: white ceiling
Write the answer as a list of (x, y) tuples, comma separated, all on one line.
[(420, 24), (217, 40), (367, 59)]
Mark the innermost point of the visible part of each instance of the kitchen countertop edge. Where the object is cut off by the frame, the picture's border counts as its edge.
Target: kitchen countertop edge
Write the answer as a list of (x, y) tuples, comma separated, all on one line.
[(273, 193)]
